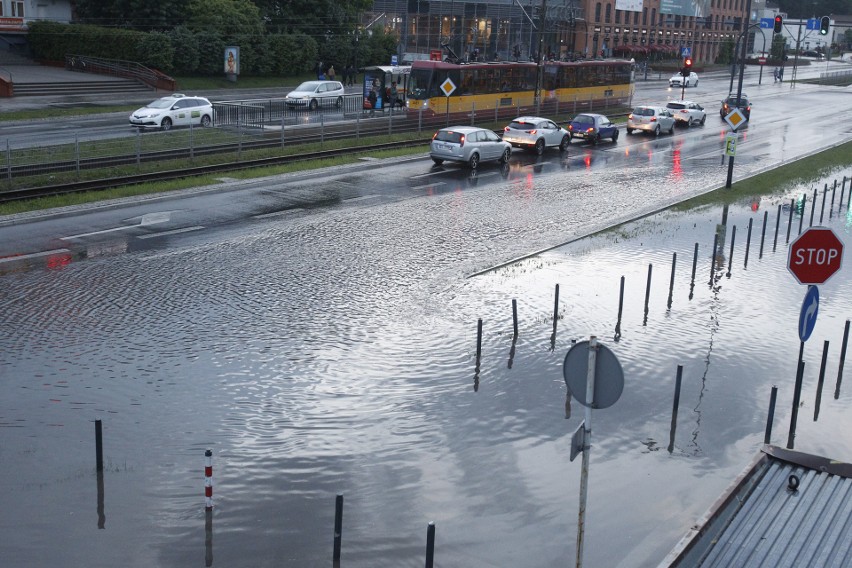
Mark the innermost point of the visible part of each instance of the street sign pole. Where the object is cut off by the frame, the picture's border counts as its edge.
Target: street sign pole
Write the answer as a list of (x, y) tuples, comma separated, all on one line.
[(587, 444), (741, 60)]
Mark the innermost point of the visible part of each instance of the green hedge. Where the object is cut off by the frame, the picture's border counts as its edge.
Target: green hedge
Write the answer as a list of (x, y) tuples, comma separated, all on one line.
[(180, 50)]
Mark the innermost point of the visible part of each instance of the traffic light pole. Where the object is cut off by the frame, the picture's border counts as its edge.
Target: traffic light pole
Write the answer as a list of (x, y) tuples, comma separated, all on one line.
[(743, 51)]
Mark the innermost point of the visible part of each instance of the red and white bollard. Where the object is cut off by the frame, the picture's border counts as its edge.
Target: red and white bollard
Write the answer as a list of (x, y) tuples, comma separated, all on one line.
[(208, 480)]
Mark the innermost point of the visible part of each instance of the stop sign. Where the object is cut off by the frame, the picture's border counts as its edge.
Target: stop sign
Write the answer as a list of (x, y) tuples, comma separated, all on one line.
[(815, 255)]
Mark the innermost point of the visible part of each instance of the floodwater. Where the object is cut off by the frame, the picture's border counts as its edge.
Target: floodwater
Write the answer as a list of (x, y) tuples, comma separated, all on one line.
[(311, 370)]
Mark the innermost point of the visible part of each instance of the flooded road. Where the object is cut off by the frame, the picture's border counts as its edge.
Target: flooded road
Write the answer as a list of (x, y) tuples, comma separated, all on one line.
[(331, 349)]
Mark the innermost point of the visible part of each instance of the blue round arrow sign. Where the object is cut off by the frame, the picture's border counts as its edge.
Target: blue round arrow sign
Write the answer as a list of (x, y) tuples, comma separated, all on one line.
[(808, 315)]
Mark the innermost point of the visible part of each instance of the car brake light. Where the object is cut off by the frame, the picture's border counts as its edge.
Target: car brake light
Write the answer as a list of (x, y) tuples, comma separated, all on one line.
[(684, 111), (461, 140), (506, 129), (653, 119), (590, 129), (533, 132), (434, 136)]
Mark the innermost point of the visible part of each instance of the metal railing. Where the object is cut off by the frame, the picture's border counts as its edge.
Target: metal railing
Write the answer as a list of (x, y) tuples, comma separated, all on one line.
[(262, 129), (120, 68)]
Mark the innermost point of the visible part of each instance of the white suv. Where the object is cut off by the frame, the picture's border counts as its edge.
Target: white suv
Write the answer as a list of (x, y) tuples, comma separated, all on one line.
[(468, 144), (535, 133), (312, 94), (173, 110), (687, 113)]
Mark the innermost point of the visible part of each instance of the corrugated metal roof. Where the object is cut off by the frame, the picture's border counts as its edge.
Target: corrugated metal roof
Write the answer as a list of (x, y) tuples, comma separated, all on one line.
[(788, 509)]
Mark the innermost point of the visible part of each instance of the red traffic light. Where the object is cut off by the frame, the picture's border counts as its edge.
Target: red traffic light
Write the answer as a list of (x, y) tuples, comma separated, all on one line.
[(779, 21), (688, 63)]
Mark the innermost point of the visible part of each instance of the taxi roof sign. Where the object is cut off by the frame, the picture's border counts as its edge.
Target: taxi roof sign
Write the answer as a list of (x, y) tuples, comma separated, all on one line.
[(735, 118)]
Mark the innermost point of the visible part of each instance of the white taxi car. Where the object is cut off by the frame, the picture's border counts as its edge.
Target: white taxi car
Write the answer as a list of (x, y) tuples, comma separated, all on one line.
[(536, 133), (174, 110)]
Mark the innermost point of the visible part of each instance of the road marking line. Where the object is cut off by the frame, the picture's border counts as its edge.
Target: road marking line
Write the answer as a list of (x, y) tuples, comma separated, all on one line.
[(34, 255), (361, 198), (172, 232), (428, 185), (81, 235), (278, 213)]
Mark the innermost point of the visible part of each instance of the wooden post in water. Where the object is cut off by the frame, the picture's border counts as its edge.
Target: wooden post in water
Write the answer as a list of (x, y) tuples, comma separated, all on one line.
[(671, 281), (821, 379), (338, 527), (430, 545), (731, 254), (763, 233), (771, 416), (748, 243), (99, 446), (675, 405), (842, 349), (777, 224)]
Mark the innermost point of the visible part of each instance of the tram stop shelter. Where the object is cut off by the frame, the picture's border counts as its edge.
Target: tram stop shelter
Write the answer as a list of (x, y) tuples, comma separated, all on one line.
[(787, 508)]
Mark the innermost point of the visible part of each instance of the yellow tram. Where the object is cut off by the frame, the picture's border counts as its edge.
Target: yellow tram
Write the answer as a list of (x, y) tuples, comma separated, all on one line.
[(504, 85)]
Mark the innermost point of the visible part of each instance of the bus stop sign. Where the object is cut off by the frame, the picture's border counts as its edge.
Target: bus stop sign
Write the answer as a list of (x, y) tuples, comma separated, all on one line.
[(815, 256)]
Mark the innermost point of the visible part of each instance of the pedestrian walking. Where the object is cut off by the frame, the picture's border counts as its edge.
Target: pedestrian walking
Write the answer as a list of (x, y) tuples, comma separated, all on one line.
[(331, 72)]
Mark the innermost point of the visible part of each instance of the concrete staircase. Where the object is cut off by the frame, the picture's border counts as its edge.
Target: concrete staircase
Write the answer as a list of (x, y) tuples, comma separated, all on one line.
[(62, 88)]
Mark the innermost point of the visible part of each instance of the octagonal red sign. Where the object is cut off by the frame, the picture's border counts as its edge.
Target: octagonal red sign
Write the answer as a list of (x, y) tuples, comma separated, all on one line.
[(815, 255)]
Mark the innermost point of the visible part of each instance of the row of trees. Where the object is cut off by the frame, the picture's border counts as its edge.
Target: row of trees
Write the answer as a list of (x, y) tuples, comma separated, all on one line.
[(189, 38)]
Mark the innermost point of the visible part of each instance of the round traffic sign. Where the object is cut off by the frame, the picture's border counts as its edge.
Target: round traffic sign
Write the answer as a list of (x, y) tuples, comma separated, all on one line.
[(761, 60), (609, 377), (815, 256)]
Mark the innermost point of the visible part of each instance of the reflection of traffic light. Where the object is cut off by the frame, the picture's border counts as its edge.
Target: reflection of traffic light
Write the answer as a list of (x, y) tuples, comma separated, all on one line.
[(824, 22), (687, 67), (778, 23)]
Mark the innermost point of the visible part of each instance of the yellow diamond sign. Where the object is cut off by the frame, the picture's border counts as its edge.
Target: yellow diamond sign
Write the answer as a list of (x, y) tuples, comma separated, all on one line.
[(448, 87), (736, 118)]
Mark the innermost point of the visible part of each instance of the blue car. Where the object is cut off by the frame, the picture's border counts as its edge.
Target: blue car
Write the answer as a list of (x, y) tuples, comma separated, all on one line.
[(592, 127)]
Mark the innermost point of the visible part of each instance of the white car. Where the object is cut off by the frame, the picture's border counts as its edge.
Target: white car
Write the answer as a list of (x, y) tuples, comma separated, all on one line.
[(469, 145), (678, 80), (687, 113), (536, 133), (650, 119), (312, 94), (173, 110)]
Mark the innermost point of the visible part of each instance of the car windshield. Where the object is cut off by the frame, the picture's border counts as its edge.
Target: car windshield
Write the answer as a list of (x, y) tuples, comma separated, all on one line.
[(309, 86), (522, 126), (643, 111), (736, 101), (676, 105), (449, 136), (161, 103), (584, 119)]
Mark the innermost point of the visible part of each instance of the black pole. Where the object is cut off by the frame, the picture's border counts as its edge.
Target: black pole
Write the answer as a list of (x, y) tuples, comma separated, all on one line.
[(713, 260), (671, 281), (822, 207), (771, 417), (813, 209), (731, 254), (777, 223), (648, 290), (748, 243), (515, 317), (804, 208), (694, 266), (842, 191), (833, 193), (620, 307), (842, 357), (430, 545), (338, 526), (797, 396), (99, 446), (790, 220), (478, 343), (555, 310), (763, 233), (821, 379), (675, 405)]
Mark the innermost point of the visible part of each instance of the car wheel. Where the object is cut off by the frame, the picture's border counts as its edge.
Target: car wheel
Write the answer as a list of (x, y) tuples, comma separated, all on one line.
[(473, 162), (314, 104), (671, 129), (657, 130), (438, 161), (615, 136), (166, 124), (596, 138), (505, 157), (539, 146), (339, 102), (629, 131), (703, 119), (205, 121), (566, 141), (696, 83)]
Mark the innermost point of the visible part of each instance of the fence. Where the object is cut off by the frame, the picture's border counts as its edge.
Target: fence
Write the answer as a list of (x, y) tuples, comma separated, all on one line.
[(266, 125)]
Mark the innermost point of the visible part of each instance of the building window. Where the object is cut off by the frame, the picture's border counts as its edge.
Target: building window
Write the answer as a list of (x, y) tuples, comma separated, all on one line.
[(618, 16), (598, 12), (17, 9), (608, 13)]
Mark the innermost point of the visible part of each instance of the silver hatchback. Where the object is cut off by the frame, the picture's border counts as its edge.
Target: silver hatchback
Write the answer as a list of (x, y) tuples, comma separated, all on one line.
[(469, 145), (651, 119)]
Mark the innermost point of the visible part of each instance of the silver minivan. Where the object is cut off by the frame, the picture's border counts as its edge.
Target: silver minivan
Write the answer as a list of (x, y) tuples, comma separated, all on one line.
[(469, 145)]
